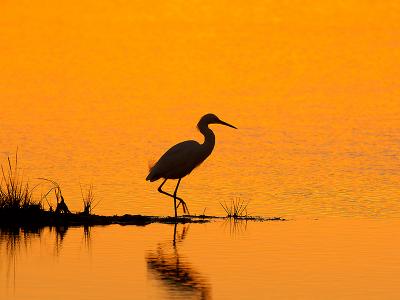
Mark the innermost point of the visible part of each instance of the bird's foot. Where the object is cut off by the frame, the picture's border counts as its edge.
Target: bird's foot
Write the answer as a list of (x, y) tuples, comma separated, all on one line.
[(184, 207)]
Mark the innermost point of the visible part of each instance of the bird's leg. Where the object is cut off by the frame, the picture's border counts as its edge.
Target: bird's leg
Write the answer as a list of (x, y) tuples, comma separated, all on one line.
[(184, 206), (176, 190), (168, 194)]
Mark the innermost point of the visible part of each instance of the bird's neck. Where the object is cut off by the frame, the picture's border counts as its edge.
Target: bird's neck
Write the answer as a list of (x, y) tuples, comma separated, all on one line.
[(209, 137)]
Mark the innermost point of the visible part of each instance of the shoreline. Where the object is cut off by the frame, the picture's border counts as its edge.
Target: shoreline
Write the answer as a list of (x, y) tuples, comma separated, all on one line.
[(22, 218)]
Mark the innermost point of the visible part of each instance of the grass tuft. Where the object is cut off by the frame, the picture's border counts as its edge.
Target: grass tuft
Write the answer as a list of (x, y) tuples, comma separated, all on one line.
[(236, 209), (61, 205), (15, 193), (88, 201)]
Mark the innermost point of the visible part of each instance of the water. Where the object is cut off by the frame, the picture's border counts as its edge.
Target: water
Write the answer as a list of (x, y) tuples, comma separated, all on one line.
[(328, 259), (327, 161), (97, 96), (92, 91)]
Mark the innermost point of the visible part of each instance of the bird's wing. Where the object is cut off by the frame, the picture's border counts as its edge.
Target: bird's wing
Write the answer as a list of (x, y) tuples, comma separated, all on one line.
[(181, 155)]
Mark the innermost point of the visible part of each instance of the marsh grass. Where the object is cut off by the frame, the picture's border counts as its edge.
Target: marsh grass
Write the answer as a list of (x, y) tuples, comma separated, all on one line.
[(18, 207), (236, 209), (88, 200), (61, 206), (15, 192)]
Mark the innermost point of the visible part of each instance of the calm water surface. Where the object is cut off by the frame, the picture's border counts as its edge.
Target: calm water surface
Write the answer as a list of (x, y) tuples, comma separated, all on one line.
[(330, 259)]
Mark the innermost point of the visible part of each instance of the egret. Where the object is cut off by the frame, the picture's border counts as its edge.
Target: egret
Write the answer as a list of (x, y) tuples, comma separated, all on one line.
[(182, 158)]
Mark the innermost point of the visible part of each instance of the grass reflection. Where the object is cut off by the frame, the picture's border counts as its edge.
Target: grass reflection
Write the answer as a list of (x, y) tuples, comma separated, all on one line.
[(13, 241), (235, 226), (17, 242)]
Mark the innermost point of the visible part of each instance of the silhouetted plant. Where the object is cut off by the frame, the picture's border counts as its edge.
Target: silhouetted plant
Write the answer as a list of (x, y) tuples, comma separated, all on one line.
[(88, 200), (14, 192), (61, 205), (237, 208)]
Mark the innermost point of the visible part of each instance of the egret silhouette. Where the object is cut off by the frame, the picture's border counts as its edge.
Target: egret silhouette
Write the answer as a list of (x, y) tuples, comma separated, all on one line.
[(182, 158)]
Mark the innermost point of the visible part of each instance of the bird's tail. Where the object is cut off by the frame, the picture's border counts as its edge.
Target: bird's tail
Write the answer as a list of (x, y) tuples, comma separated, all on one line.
[(149, 177), (152, 173), (152, 176), (151, 164)]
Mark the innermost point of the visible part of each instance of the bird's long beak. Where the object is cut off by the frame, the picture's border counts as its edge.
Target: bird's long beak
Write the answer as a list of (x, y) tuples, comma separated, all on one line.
[(226, 124)]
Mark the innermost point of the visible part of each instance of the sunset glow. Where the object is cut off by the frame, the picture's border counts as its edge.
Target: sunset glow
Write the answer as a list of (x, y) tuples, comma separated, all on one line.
[(92, 92)]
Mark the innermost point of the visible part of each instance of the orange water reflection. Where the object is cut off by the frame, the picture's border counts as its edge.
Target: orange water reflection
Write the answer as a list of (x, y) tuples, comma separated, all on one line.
[(325, 259)]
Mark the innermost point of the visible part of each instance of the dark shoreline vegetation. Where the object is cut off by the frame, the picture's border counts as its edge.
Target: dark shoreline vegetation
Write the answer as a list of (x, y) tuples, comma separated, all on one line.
[(18, 208), (38, 218)]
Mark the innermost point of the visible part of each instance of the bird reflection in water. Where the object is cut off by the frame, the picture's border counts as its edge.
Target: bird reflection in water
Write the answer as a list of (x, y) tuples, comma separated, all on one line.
[(174, 271)]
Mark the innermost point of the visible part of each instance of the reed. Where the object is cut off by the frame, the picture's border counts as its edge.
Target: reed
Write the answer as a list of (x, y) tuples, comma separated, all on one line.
[(15, 193)]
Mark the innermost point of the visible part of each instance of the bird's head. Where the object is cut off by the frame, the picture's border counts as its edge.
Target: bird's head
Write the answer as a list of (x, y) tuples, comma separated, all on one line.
[(212, 119)]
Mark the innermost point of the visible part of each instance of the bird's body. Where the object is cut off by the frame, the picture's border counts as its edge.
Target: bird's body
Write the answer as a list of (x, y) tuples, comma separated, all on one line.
[(181, 159), (178, 161)]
